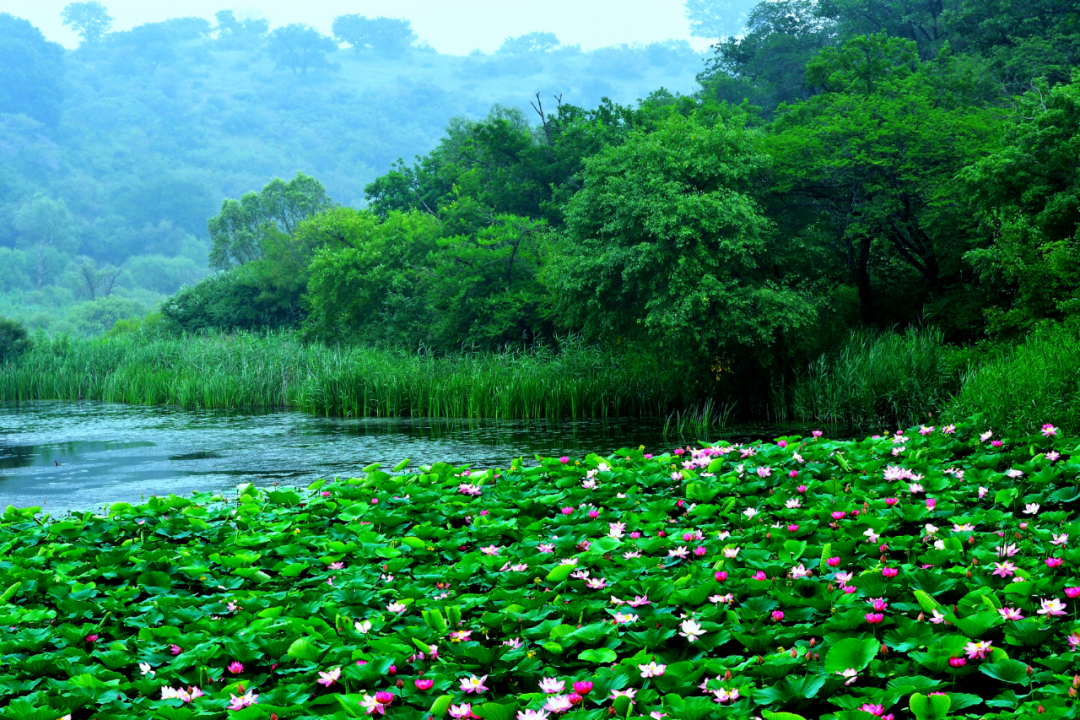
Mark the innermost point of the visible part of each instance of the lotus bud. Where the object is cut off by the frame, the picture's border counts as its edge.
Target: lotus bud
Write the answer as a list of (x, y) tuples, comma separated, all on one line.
[(1018, 535), (727, 675), (883, 558), (813, 642), (1029, 671), (830, 587), (794, 652), (400, 684), (969, 573), (1041, 709), (611, 712), (768, 535), (884, 649), (974, 561), (760, 660), (971, 540), (817, 656), (1072, 692), (1076, 681), (922, 616)]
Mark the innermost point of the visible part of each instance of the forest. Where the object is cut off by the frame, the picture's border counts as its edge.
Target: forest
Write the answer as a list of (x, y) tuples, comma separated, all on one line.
[(856, 209), (115, 154)]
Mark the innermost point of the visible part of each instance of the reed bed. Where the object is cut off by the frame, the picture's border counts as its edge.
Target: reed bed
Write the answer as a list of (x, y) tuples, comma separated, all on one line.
[(1033, 383), (896, 378), (279, 372)]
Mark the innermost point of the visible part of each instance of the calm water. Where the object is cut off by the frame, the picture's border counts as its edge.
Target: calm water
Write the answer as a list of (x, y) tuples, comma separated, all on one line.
[(64, 456)]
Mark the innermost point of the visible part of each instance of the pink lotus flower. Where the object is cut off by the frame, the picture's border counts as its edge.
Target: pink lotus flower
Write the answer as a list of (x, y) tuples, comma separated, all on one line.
[(240, 702), (720, 575), (777, 615), (759, 575), (235, 668), (558, 704), (92, 638), (1008, 613), (1053, 562), (978, 650), (639, 601), (833, 562), (801, 489), (889, 572), (473, 684), (1005, 569), (551, 686), (532, 715), (1049, 431), (1072, 592), (652, 670), (567, 510), (564, 460), (1060, 540), (175, 649), (957, 662), (464, 710), (874, 618), (328, 678), (583, 687), (891, 501), (930, 503), (1052, 607), (423, 684)]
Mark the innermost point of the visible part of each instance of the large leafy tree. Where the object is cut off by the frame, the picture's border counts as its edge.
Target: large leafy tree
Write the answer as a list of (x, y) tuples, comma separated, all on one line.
[(717, 19), (90, 19), (31, 71), (665, 243), (1024, 40), (46, 226), (923, 22), (300, 48), (1028, 198), (245, 228), (767, 64), (389, 36), (870, 163)]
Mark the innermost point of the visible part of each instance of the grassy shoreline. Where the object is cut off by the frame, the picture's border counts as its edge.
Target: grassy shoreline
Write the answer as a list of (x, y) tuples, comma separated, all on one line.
[(277, 372)]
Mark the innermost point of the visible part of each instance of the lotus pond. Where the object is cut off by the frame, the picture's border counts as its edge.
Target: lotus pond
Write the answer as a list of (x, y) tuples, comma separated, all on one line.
[(927, 574)]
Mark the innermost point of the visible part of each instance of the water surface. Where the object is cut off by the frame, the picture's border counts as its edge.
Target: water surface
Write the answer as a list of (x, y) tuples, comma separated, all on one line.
[(74, 456)]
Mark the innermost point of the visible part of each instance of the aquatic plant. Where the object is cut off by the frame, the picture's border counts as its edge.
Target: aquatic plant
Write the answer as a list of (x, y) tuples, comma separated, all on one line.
[(278, 371), (920, 575)]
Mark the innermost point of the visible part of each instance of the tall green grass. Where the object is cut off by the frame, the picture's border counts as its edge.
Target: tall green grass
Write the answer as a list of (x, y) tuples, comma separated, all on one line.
[(874, 378), (1033, 383), (278, 371)]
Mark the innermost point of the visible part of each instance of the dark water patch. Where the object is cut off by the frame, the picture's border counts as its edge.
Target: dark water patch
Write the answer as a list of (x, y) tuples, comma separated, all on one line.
[(69, 456)]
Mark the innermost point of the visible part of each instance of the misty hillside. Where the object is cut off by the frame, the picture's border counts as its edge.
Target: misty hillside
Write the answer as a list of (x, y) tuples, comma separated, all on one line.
[(132, 142)]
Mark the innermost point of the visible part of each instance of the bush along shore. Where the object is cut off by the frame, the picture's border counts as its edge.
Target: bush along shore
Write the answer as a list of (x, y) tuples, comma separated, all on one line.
[(916, 575)]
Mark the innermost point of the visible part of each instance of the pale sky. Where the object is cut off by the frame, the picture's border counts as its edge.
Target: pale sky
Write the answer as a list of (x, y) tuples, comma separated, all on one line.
[(451, 26)]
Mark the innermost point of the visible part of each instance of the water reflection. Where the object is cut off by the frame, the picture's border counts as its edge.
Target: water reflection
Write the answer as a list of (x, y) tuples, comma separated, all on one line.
[(76, 456)]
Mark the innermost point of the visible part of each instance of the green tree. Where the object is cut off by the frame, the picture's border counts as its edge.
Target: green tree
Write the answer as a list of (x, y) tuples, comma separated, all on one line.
[(46, 225), (923, 22), (767, 64), (389, 36), (368, 280), (241, 231), (534, 42), (301, 48), (1024, 40), (31, 72), (665, 243), (242, 31), (14, 340), (717, 19), (1027, 194), (90, 19), (871, 163)]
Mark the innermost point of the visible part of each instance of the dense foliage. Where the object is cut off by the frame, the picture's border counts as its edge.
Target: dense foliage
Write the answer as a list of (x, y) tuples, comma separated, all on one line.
[(844, 169), (919, 575), (135, 137)]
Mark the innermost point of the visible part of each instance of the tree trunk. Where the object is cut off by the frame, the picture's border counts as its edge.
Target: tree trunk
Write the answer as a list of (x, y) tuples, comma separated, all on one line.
[(41, 263), (859, 265)]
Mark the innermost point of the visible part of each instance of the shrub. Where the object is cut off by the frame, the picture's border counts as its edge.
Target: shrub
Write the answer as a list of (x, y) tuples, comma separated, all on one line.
[(14, 340)]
